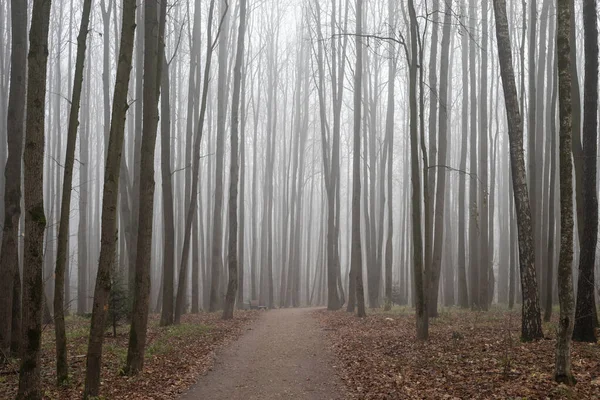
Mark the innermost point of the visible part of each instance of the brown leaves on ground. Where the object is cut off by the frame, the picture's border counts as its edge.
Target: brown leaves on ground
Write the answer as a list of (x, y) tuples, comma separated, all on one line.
[(470, 355), (175, 357)]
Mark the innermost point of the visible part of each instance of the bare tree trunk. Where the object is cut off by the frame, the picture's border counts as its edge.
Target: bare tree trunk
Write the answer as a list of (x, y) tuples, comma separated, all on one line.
[(216, 300), (9, 254), (181, 288), (562, 371), (109, 202), (35, 220), (83, 269), (474, 210), (232, 286), (389, 132), (484, 155), (356, 261), (551, 124), (153, 61), (463, 292), (440, 168), (62, 369), (166, 317), (586, 315), (422, 317), (531, 325)]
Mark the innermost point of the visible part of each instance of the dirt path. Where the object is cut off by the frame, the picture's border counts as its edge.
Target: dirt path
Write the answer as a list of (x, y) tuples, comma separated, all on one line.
[(283, 356)]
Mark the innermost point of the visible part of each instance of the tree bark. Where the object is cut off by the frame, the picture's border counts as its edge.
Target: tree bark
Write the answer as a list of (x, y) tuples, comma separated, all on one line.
[(562, 371), (216, 296), (153, 61), (109, 203), (62, 369), (232, 285), (531, 325), (9, 254), (191, 210), (356, 260), (35, 220), (586, 315)]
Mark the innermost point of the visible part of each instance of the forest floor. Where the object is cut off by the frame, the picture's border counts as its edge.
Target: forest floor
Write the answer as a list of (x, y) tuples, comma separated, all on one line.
[(286, 355), (175, 357), (470, 355)]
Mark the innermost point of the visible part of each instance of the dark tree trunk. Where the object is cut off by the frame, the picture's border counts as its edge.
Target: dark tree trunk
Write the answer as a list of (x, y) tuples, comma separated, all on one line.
[(586, 315), (9, 254), (356, 260), (153, 61), (109, 203), (562, 371), (35, 220)]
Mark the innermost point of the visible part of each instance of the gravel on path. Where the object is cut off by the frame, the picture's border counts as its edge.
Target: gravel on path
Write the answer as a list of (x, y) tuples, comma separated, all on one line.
[(284, 355)]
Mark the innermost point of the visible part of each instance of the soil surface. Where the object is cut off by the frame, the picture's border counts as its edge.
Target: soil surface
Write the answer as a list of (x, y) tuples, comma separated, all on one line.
[(284, 355)]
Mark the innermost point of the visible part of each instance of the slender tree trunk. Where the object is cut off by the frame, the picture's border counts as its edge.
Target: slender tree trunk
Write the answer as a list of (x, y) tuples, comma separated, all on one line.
[(109, 203), (183, 273), (531, 325), (232, 286), (62, 370), (463, 292), (153, 61), (356, 260), (443, 99), (216, 297), (166, 317)]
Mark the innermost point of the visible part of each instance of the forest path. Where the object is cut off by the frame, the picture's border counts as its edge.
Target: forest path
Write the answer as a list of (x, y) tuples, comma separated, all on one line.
[(283, 356)]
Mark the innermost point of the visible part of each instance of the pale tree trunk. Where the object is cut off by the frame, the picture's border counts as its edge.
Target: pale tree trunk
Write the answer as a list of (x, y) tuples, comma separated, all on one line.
[(531, 325), (9, 254), (562, 372), (432, 174), (463, 292), (232, 285), (109, 203), (35, 220), (440, 168), (484, 155), (389, 133), (216, 296), (82, 229), (474, 210), (191, 210), (356, 260), (242, 211), (62, 370), (551, 124), (586, 315)]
